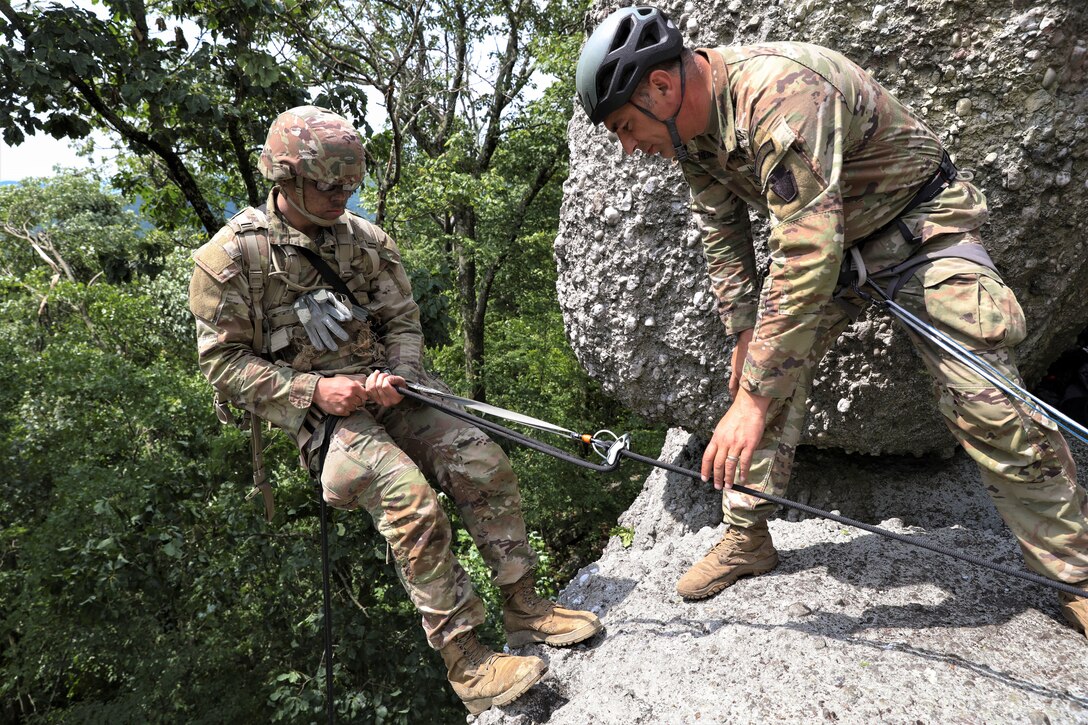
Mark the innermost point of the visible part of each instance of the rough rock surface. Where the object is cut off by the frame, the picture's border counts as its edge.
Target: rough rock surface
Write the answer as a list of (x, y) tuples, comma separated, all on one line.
[(850, 628), (1003, 84)]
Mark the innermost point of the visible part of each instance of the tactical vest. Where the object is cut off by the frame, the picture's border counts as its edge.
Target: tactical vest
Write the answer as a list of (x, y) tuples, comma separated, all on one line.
[(275, 273)]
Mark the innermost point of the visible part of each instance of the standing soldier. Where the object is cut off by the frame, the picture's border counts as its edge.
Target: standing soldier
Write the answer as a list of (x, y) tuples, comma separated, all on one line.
[(303, 312), (844, 171)]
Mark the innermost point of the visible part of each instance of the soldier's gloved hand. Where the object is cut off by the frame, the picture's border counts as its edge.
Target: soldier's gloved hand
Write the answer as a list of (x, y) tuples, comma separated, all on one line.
[(319, 312)]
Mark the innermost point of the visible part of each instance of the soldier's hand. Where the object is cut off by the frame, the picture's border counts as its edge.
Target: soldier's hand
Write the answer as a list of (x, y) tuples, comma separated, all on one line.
[(340, 395), (736, 438), (379, 387), (740, 353)]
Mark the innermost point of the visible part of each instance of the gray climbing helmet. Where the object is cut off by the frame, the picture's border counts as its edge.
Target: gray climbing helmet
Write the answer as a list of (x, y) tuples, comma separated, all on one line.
[(618, 54)]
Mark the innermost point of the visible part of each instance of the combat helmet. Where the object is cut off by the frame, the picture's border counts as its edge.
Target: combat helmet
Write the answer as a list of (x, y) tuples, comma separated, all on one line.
[(618, 54), (309, 142)]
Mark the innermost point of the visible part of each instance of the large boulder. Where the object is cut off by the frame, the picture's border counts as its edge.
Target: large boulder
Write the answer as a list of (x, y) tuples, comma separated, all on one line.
[(1004, 86), (851, 628)]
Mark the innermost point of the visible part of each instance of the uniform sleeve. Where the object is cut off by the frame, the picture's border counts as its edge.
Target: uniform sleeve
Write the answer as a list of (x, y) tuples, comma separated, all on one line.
[(727, 241), (397, 315), (219, 299), (797, 147)]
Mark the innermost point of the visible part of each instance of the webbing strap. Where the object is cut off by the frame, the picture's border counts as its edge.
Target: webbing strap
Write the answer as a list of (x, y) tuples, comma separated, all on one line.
[(327, 274), (854, 275), (345, 245), (902, 272), (255, 272), (261, 483), (945, 174)]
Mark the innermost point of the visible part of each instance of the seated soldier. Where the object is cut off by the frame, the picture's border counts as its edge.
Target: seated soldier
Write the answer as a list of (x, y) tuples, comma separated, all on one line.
[(318, 353)]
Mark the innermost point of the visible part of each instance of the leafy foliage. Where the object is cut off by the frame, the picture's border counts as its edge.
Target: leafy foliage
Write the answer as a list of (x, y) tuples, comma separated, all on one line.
[(191, 107), (134, 584)]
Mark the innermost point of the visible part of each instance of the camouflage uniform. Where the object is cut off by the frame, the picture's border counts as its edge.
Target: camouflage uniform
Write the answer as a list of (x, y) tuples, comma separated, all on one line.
[(809, 139), (378, 458)]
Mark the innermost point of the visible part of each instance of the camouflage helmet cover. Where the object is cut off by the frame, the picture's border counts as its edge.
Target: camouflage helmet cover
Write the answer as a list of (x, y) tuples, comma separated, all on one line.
[(313, 143)]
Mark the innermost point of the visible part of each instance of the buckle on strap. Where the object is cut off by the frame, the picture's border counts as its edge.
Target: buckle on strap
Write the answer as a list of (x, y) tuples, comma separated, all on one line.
[(265, 489), (947, 170)]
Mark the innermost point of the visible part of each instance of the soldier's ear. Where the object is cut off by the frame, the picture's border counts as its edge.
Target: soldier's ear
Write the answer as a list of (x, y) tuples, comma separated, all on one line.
[(661, 81)]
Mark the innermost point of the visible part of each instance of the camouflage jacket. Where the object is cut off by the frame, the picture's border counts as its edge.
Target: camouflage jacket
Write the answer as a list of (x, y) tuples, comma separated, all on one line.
[(278, 384), (809, 139)]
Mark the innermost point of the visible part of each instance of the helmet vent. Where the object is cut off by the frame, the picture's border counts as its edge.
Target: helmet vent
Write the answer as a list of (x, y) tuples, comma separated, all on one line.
[(651, 36), (623, 32), (604, 78)]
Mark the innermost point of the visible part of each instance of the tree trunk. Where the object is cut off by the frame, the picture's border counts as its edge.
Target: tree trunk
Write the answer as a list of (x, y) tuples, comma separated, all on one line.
[(471, 320)]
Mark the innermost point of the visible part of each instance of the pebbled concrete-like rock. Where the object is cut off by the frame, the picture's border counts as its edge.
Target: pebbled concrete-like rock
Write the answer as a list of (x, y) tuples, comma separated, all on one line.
[(1003, 85), (850, 628)]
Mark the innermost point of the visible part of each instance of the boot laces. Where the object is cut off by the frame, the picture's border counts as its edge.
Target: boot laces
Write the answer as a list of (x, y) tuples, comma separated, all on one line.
[(474, 650), (526, 592), (729, 540)]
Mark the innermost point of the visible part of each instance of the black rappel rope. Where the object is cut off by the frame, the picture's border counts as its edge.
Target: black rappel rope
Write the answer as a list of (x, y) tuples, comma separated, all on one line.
[(627, 453), (326, 614)]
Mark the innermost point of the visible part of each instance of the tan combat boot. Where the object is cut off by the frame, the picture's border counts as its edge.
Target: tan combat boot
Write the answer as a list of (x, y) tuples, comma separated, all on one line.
[(741, 552), (528, 618), (482, 678), (1075, 609)]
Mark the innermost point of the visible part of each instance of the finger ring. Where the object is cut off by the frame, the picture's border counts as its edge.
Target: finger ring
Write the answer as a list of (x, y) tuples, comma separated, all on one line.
[(732, 458)]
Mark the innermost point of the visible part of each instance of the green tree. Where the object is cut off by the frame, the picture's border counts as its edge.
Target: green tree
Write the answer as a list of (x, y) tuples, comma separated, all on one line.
[(191, 111), (470, 163), (135, 586)]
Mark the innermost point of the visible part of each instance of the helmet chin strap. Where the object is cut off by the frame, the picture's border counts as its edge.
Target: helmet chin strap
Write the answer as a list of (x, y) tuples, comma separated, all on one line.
[(300, 206), (670, 122)]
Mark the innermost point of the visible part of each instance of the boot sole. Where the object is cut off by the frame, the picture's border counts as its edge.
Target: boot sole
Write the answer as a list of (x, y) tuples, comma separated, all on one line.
[(519, 688), (529, 636), (759, 567)]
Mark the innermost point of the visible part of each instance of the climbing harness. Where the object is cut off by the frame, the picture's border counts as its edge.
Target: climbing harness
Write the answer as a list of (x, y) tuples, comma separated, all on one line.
[(612, 448), (854, 276), (976, 364)]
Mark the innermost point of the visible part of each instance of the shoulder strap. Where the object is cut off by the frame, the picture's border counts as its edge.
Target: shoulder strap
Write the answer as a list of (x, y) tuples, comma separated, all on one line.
[(345, 247), (330, 277), (251, 227)]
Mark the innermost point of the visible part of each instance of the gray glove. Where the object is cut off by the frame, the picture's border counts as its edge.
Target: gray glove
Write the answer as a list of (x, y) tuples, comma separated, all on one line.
[(319, 312)]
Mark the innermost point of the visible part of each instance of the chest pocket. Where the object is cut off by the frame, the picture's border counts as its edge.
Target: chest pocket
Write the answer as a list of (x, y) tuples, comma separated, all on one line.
[(785, 172), (295, 275), (366, 263)]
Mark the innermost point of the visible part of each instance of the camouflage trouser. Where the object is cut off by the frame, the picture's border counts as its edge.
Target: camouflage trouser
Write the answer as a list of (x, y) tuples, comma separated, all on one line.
[(381, 459), (1025, 463)]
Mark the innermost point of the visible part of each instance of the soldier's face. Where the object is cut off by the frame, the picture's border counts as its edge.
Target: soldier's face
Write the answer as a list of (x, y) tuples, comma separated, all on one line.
[(639, 132), (325, 204)]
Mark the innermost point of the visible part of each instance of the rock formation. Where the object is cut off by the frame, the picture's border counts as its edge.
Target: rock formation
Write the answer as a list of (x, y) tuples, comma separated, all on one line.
[(1002, 83), (851, 628)]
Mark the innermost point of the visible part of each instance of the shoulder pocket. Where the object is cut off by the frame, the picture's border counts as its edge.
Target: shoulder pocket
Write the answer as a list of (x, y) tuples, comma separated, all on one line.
[(214, 258), (785, 171)]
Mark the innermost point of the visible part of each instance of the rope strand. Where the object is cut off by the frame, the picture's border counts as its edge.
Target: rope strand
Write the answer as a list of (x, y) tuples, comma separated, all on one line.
[(672, 468)]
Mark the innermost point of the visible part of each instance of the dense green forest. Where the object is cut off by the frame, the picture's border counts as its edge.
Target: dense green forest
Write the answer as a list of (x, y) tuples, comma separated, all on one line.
[(136, 583)]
